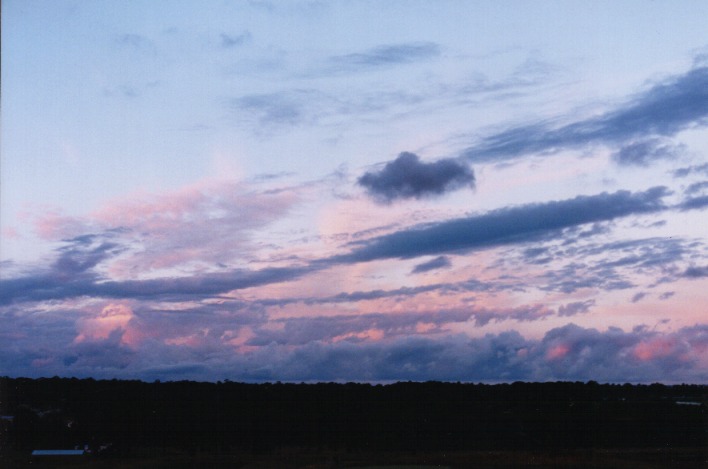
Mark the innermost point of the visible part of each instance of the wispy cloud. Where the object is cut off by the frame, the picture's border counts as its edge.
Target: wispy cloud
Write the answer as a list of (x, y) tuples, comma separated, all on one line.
[(137, 41), (384, 55), (663, 110), (229, 41), (277, 108)]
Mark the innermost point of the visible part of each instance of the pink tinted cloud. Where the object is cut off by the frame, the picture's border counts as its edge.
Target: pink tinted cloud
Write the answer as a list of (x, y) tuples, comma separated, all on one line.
[(557, 351), (197, 226), (52, 225), (113, 317), (11, 233), (205, 223)]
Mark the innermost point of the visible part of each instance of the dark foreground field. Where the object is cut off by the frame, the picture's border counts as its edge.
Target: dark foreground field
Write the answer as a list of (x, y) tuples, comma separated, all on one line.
[(679, 458), (186, 424)]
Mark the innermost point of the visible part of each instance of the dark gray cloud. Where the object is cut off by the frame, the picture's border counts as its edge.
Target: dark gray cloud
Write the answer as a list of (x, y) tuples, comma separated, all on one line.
[(696, 169), (696, 272), (661, 111), (383, 56), (82, 254), (408, 177), (645, 152), (638, 297), (506, 226), (439, 262), (696, 196), (63, 282), (696, 187), (578, 307), (694, 203)]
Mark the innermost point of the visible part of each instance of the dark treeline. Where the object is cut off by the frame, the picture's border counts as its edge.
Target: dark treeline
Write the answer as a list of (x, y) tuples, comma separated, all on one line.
[(193, 416)]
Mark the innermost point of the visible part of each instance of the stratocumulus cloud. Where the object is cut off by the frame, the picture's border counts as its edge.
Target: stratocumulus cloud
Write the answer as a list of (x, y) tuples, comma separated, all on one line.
[(507, 226), (663, 110), (566, 353), (408, 177)]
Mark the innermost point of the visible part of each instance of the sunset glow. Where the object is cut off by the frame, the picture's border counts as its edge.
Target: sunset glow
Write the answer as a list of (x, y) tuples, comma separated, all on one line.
[(355, 191)]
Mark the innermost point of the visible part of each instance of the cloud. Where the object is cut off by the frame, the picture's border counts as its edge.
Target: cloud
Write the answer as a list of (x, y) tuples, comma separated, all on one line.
[(569, 352), (340, 107), (229, 41), (522, 314), (83, 253), (136, 41), (613, 265), (696, 272), (638, 297), (644, 152), (305, 106), (578, 307), (663, 110), (696, 169), (506, 226), (408, 177), (277, 108), (515, 225), (694, 203), (439, 262), (198, 225), (696, 187), (384, 55), (469, 285), (378, 326), (666, 295)]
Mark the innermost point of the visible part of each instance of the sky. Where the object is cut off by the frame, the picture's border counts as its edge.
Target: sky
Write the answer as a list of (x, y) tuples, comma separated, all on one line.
[(368, 191)]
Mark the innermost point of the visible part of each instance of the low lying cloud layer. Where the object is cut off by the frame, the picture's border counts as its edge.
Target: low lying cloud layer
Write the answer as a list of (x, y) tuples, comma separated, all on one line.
[(570, 352)]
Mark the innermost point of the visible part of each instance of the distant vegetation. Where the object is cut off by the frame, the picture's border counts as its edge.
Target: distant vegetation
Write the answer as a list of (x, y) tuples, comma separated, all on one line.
[(125, 417)]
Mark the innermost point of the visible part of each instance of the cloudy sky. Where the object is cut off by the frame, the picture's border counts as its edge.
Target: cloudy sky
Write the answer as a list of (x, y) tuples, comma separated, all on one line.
[(355, 191)]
